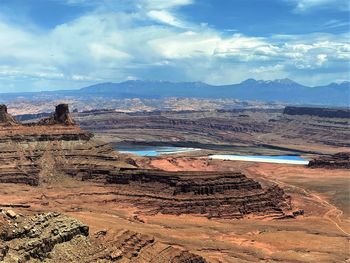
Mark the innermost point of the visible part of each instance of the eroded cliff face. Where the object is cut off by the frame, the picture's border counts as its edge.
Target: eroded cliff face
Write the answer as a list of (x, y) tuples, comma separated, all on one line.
[(39, 152), (211, 194), (53, 237), (320, 112), (131, 246), (335, 161)]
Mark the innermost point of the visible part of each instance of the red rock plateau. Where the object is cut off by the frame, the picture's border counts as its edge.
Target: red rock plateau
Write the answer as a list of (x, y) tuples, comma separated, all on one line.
[(74, 199), (55, 144), (52, 150)]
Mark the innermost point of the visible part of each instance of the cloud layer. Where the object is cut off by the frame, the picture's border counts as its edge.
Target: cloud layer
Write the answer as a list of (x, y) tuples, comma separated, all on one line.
[(308, 5), (152, 40)]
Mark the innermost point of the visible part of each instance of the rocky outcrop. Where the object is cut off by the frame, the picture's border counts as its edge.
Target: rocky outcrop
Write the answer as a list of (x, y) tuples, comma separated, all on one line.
[(210, 194), (335, 161), (5, 118), (25, 238), (34, 153), (60, 238), (196, 183), (320, 112), (130, 246), (61, 116)]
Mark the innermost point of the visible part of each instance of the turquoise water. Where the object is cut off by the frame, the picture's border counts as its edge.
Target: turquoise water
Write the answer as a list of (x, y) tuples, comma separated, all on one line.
[(288, 159), (280, 157), (154, 150)]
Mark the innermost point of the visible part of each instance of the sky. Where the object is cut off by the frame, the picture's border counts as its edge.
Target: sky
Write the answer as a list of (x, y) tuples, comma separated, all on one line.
[(68, 44)]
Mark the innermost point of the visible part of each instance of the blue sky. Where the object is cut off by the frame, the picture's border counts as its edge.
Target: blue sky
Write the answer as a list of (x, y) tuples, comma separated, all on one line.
[(63, 44)]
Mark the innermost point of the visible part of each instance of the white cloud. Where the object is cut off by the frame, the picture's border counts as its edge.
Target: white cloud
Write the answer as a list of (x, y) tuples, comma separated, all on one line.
[(268, 69), (185, 45), (321, 59), (101, 51), (115, 46), (306, 5), (165, 17), (165, 4), (334, 23)]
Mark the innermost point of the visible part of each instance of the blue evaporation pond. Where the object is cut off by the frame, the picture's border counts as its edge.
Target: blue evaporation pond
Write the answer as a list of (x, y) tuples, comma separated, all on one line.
[(287, 159), (281, 157), (154, 151)]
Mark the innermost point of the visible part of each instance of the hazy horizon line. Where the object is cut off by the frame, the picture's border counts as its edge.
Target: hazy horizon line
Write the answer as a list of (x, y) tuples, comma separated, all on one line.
[(178, 82)]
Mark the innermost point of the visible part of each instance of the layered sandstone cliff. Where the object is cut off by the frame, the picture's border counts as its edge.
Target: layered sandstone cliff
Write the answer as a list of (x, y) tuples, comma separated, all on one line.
[(335, 161), (135, 247), (211, 194), (38, 152)]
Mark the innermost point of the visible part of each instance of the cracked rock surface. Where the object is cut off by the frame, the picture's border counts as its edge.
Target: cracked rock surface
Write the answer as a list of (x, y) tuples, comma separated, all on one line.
[(54, 237), (32, 238)]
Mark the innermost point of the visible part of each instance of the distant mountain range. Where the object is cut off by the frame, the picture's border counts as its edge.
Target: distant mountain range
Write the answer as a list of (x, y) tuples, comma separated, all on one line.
[(280, 90)]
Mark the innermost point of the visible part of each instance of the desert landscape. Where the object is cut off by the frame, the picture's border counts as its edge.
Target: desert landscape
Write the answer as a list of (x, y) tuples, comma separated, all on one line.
[(68, 195), (174, 131)]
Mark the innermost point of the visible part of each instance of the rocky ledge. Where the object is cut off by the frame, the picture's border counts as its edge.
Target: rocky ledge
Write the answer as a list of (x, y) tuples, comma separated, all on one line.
[(34, 237), (336, 161), (211, 194), (53, 237), (130, 246), (319, 112)]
